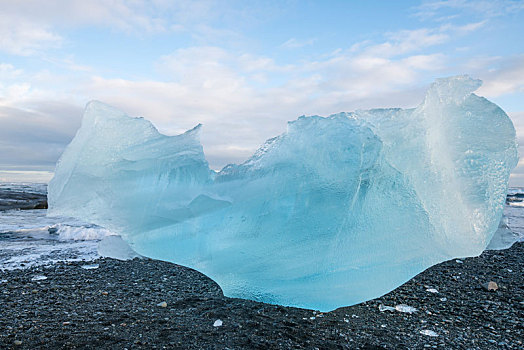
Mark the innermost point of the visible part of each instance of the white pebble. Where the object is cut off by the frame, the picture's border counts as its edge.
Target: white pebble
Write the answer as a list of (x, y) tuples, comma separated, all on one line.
[(383, 308), (90, 267), (405, 308), (218, 323), (38, 278), (428, 333)]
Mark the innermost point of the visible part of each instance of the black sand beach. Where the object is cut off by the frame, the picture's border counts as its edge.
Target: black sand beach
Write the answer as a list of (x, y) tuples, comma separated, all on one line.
[(119, 306)]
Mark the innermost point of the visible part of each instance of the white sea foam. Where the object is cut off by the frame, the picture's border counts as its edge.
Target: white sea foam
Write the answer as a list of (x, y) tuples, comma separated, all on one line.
[(31, 238), (82, 233)]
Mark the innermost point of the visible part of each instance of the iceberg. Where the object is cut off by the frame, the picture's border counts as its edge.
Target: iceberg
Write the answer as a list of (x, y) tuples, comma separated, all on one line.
[(335, 211)]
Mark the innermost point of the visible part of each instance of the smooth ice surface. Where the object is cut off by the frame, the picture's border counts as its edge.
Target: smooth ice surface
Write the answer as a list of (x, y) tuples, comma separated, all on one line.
[(115, 247), (334, 211)]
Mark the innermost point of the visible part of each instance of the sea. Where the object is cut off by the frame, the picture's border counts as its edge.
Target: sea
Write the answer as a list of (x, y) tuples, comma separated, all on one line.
[(31, 238)]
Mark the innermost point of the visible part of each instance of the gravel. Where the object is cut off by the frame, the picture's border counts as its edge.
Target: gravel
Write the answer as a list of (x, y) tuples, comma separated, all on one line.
[(151, 304)]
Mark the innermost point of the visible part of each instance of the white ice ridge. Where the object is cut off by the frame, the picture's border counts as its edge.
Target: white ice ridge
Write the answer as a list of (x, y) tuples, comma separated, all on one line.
[(333, 212)]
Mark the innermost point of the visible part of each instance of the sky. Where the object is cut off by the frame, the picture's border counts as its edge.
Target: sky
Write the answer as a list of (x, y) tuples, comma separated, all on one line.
[(241, 68)]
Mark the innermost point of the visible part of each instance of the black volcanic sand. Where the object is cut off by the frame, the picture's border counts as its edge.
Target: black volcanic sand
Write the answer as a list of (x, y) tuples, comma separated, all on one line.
[(115, 307)]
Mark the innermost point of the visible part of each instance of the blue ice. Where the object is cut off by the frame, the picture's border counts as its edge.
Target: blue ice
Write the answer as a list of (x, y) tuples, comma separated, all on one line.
[(332, 212)]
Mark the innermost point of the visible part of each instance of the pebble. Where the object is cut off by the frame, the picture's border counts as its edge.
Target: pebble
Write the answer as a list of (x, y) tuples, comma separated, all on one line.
[(17, 342), (90, 267), (218, 323), (490, 286), (429, 333), (405, 308), (162, 304), (38, 278), (383, 308), (400, 308)]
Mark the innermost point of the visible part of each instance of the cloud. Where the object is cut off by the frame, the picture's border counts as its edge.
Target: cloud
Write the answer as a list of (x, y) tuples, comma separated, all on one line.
[(416, 40), (486, 8), (9, 72), (407, 41), (21, 37), (30, 27), (506, 79), (119, 14), (295, 44), (25, 176), (31, 139)]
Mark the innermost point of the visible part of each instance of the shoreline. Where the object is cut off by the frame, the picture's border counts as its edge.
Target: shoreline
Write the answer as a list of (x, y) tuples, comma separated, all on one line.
[(119, 305)]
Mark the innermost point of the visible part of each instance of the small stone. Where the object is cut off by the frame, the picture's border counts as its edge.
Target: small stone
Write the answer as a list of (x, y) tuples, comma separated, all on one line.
[(429, 333), (38, 278), (34, 291), (66, 323), (432, 290), (162, 304), (383, 308), (459, 261), (17, 342), (490, 286), (218, 323), (90, 267), (405, 308)]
